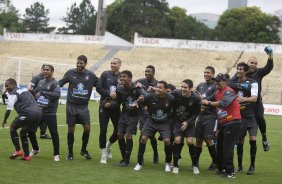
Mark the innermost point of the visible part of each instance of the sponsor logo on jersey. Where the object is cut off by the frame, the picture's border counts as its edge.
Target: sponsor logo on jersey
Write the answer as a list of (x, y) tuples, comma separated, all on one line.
[(222, 114), (42, 101), (113, 89), (240, 94), (80, 90), (160, 115)]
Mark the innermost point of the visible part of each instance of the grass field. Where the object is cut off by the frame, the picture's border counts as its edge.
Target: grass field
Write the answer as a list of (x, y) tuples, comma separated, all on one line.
[(42, 168)]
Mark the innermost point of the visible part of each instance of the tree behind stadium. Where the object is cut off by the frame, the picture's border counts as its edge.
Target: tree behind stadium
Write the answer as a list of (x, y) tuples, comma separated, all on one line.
[(80, 19), (35, 19), (8, 16), (147, 17), (248, 24)]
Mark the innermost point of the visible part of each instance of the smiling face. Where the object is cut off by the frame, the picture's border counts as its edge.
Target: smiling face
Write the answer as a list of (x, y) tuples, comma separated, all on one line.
[(149, 73), (208, 75), (9, 86), (115, 65), (80, 65), (47, 72), (185, 90), (252, 62), (125, 80), (160, 89), (241, 73)]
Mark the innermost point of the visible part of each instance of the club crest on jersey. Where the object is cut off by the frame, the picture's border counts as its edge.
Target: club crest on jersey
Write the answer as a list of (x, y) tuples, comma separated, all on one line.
[(87, 77), (166, 104), (240, 94), (48, 87), (80, 90), (113, 89)]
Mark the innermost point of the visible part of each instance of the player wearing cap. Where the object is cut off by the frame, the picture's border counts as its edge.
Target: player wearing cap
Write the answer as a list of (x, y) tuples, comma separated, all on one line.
[(81, 82), (229, 122)]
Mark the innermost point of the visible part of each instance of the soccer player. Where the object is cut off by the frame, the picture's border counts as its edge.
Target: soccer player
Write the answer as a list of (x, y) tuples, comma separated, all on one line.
[(186, 110), (127, 95), (29, 115), (247, 90), (205, 126), (160, 107), (107, 89), (31, 87), (257, 74), (229, 118), (47, 94), (148, 83), (81, 82), (4, 97)]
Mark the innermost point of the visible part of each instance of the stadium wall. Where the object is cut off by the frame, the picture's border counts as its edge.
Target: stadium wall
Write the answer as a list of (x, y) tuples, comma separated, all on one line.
[(203, 45)]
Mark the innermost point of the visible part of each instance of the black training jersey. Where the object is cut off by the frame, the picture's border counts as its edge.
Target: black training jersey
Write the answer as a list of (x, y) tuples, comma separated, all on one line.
[(80, 85), (247, 109), (128, 98), (186, 108), (49, 96), (145, 83), (23, 102), (207, 90), (259, 73), (159, 109), (34, 81)]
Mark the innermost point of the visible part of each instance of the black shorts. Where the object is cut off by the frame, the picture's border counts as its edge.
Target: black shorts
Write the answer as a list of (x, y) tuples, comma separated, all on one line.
[(205, 128), (30, 122), (142, 120), (188, 132), (150, 128), (127, 124), (77, 114), (248, 125)]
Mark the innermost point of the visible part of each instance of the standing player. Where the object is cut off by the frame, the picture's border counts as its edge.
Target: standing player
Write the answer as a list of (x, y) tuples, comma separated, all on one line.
[(160, 107), (205, 128), (186, 110), (147, 84), (127, 95), (257, 74), (81, 82), (228, 112), (31, 87), (29, 115), (107, 89), (247, 90), (47, 94)]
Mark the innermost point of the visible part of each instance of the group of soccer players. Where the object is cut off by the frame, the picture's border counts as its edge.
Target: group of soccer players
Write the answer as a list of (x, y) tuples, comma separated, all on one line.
[(153, 106)]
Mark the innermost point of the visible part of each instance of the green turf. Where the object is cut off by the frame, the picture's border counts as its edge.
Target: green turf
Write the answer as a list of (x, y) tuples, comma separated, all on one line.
[(42, 168)]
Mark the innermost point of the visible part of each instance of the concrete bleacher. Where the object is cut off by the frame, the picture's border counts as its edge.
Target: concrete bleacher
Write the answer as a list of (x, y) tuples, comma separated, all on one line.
[(172, 65)]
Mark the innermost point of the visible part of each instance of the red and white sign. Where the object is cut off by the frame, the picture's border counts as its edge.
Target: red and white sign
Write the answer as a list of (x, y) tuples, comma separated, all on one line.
[(272, 109)]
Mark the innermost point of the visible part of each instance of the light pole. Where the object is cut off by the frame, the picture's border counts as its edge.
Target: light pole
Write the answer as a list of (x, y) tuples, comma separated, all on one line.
[(101, 19)]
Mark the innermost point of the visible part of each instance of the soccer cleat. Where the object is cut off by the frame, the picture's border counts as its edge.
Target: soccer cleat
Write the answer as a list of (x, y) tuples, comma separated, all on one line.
[(85, 154), (167, 167), (195, 170), (175, 170), (103, 156), (212, 167), (156, 159), (34, 152), (27, 158), (230, 175), (240, 170), (70, 157), (45, 136), (117, 164), (124, 164), (220, 172), (16, 154), (109, 153), (265, 145), (251, 170), (137, 167), (56, 158)]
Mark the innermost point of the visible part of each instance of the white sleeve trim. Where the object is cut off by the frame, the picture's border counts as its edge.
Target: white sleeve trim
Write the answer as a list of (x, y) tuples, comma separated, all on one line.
[(254, 89), (12, 100)]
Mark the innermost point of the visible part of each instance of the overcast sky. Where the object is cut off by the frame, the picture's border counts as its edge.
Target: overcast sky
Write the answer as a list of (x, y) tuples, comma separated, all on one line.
[(58, 8)]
